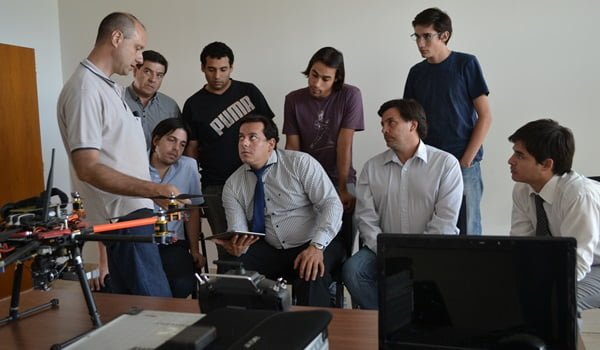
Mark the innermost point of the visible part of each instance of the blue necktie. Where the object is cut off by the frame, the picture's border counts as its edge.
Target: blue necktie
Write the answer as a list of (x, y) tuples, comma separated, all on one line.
[(258, 219)]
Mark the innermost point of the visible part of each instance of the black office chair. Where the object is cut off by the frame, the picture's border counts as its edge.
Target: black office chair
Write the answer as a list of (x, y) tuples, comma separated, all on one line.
[(201, 236), (462, 217), (346, 236)]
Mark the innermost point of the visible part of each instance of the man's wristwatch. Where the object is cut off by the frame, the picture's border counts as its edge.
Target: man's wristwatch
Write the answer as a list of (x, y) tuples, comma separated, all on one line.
[(319, 246)]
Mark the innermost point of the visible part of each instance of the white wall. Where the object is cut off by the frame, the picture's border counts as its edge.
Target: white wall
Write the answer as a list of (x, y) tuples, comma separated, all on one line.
[(34, 24), (539, 57)]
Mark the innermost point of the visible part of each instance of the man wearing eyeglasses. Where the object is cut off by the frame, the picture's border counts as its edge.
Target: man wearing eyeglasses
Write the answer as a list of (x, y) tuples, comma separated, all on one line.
[(451, 88), (143, 97)]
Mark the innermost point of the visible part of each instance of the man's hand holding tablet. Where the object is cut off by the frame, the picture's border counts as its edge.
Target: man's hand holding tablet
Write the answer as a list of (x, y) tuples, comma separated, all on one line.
[(236, 243)]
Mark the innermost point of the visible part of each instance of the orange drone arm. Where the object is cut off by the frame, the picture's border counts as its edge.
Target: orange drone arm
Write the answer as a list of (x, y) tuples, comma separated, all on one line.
[(124, 224)]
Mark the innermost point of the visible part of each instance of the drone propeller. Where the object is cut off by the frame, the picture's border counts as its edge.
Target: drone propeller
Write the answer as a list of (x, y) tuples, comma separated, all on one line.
[(184, 196), (195, 206)]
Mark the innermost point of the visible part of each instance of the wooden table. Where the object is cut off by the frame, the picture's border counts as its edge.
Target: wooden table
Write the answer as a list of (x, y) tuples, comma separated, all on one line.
[(349, 329)]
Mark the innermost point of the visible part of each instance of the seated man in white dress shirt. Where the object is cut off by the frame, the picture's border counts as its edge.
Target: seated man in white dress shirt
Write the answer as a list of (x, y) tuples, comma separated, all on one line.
[(410, 188), (301, 213), (541, 166)]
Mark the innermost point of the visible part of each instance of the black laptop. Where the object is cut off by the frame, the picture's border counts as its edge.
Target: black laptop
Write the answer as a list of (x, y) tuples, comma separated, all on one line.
[(475, 292)]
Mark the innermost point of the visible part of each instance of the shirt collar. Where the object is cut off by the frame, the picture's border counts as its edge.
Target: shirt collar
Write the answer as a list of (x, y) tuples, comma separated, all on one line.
[(272, 160), (421, 151), (135, 96), (548, 191), (390, 155), (173, 168), (92, 68)]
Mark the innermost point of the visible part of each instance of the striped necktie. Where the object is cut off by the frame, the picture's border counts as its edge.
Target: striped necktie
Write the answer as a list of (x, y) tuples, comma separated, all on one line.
[(542, 228)]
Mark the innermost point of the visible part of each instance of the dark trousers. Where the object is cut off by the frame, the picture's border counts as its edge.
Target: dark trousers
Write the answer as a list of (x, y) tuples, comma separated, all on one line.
[(588, 290), (275, 263), (136, 268), (215, 215), (178, 264)]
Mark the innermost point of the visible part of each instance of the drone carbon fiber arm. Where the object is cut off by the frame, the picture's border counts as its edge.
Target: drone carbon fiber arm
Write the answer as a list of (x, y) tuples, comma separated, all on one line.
[(20, 253)]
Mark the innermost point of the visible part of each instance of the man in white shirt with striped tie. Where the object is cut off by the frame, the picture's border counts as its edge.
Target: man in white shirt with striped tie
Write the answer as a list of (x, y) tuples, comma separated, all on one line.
[(300, 213), (550, 199)]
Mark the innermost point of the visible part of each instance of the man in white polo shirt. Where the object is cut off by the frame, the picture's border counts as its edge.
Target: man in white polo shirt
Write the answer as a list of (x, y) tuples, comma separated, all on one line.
[(107, 152)]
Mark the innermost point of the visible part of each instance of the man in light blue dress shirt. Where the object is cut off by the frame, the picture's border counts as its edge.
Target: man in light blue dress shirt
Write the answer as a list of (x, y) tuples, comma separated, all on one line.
[(410, 188), (302, 214), (168, 165)]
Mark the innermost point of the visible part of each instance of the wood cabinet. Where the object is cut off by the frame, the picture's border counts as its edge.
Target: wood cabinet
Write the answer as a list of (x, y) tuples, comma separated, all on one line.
[(22, 174)]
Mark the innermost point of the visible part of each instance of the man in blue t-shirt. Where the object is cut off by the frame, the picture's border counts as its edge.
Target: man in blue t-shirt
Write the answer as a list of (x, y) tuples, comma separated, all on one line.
[(451, 88)]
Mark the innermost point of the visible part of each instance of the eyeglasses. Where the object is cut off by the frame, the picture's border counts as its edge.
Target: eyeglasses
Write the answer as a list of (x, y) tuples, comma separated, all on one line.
[(427, 36)]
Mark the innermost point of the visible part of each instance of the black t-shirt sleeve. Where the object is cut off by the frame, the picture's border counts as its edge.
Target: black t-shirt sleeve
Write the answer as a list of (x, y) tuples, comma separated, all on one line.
[(187, 116), (262, 106)]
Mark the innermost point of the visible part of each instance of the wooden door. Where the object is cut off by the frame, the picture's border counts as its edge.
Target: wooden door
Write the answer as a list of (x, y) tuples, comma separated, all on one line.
[(21, 175)]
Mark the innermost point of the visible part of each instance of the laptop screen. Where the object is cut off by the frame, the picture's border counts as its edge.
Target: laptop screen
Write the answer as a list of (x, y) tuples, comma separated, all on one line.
[(470, 292)]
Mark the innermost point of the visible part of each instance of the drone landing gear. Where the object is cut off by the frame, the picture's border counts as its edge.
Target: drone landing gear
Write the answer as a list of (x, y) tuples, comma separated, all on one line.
[(87, 293), (14, 313)]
